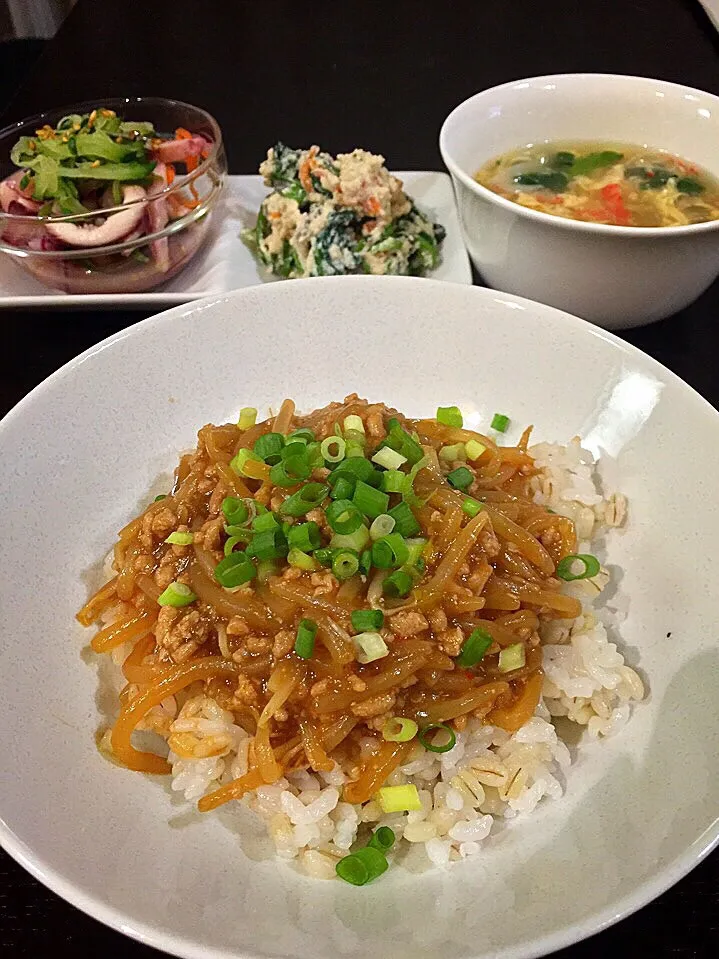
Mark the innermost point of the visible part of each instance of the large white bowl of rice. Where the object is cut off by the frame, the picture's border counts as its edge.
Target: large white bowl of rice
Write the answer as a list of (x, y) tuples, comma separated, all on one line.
[(524, 838)]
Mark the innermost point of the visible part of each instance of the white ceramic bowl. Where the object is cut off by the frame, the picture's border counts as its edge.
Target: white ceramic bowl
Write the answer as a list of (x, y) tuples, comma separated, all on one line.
[(78, 458), (615, 276)]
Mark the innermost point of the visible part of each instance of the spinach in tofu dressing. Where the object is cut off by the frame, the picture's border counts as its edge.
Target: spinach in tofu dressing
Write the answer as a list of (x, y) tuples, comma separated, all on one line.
[(616, 184), (328, 216)]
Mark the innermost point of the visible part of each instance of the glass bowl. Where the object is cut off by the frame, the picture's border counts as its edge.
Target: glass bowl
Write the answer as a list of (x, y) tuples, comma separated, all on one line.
[(156, 235)]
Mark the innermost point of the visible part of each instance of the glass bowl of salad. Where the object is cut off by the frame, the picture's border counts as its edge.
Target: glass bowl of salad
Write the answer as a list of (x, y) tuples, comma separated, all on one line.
[(111, 196)]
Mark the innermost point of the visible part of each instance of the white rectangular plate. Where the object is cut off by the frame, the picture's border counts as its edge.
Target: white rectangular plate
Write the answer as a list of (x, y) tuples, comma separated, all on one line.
[(225, 263)]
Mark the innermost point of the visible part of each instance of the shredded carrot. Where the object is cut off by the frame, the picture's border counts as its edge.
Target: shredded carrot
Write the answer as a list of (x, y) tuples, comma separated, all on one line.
[(170, 172), (182, 134), (191, 163)]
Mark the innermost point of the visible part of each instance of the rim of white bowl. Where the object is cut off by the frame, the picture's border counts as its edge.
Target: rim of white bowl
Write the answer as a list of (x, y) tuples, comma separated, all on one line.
[(564, 223), (186, 948)]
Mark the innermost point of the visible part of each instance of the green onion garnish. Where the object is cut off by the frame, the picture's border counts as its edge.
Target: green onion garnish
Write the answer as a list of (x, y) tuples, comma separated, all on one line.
[(500, 422), (590, 567), (324, 556), (355, 467), (390, 552), (238, 463), (388, 458), (248, 417), (305, 536), (400, 440), (235, 570), (343, 516), (291, 471), (177, 595), (264, 522), (374, 859), (268, 544), (512, 657), (160, 496), (369, 646), (180, 539), (474, 648), (382, 526), (432, 746), (399, 798), (367, 619), (352, 870), (398, 584), (302, 435), (366, 561), (450, 454), (370, 501), (269, 447), (382, 839), (354, 424), (416, 548), (333, 449), (301, 560), (450, 416), (399, 729), (343, 488), (357, 540), (393, 481), (408, 494), (231, 543), (305, 639), (474, 450), (405, 521), (304, 500), (345, 563), (471, 506), (236, 513), (461, 478)]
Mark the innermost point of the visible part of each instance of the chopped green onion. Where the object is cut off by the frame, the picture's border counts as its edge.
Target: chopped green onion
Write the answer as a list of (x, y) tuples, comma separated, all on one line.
[(240, 532), (374, 859), (357, 540), (302, 435), (399, 798), (269, 446), (235, 570), (450, 416), (291, 471), (180, 539), (343, 488), (324, 556), (354, 424), (265, 569), (405, 521), (398, 584), (433, 746), (345, 563), (399, 729), (382, 839), (231, 543), (474, 449), (235, 510), (366, 561), (367, 619), (590, 567), (382, 526), (393, 481), (248, 417), (408, 494), (369, 646), (354, 468), (450, 454), (177, 595), (474, 648), (352, 870), (390, 552), (305, 536), (343, 516), (471, 506), (333, 449), (264, 522), (416, 548), (301, 560), (372, 502), (268, 544), (238, 463), (399, 439), (304, 500), (305, 639), (500, 422), (461, 478), (388, 458), (314, 455), (160, 496), (512, 657)]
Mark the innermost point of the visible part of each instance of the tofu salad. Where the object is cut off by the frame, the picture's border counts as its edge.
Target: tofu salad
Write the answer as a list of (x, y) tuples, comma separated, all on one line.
[(328, 216)]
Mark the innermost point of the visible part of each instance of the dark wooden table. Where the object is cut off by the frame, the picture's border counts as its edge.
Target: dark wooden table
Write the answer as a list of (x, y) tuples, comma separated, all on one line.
[(343, 74)]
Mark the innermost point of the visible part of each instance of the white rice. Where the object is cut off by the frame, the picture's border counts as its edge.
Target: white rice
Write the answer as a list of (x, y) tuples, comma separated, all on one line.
[(488, 775)]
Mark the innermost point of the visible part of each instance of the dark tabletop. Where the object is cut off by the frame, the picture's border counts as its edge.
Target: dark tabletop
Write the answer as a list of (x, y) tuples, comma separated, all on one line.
[(381, 75)]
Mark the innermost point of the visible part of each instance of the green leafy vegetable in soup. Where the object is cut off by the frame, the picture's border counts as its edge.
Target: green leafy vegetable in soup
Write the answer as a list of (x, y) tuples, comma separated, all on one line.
[(329, 216), (617, 184)]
